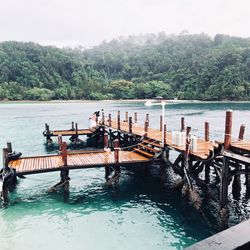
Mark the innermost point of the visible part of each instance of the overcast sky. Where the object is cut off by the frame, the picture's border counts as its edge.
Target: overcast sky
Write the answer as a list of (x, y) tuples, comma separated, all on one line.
[(89, 22)]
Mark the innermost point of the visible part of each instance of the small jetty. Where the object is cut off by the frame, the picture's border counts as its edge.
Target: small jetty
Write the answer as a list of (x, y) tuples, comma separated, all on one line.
[(124, 142)]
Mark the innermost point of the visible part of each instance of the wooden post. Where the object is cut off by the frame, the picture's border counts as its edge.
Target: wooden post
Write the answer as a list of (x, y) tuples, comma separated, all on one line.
[(241, 133), (106, 140), (165, 134), (103, 117), (72, 126), (59, 139), (107, 172), (135, 117), (47, 128), (64, 153), (110, 121), (147, 118), (146, 129), (207, 173), (118, 120), (228, 129), (182, 124), (9, 147), (206, 131), (247, 178), (161, 119), (126, 117), (5, 158), (76, 129), (65, 179), (236, 187), (116, 150), (224, 183), (130, 124)]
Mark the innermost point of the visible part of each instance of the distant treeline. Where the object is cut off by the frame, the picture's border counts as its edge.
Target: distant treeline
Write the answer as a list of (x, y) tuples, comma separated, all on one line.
[(183, 67)]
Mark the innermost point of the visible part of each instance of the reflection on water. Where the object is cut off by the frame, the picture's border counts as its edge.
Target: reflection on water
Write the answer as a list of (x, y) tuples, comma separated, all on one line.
[(142, 212)]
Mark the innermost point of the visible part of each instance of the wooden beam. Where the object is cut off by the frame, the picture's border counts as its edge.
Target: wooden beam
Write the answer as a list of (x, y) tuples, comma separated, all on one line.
[(240, 158)]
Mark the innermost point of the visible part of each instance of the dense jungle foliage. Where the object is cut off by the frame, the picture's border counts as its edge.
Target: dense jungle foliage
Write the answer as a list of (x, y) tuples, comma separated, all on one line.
[(183, 67)]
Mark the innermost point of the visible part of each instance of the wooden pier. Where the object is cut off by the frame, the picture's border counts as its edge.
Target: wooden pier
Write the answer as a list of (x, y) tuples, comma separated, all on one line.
[(124, 142)]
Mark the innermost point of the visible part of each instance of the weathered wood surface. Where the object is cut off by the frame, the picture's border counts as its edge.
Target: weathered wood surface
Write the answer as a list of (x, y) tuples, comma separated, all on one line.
[(71, 132), (241, 147), (203, 148), (38, 164)]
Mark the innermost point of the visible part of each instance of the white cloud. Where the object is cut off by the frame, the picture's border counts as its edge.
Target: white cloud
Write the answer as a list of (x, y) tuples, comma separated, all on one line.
[(88, 22)]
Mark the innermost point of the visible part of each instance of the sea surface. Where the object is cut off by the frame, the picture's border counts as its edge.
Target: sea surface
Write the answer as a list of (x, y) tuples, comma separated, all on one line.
[(143, 212)]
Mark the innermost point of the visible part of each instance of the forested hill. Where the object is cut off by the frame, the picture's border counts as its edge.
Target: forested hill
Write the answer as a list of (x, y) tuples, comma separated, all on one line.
[(183, 66)]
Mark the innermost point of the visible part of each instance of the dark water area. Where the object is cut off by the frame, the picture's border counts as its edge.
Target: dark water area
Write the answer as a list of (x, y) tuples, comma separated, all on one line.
[(142, 212)]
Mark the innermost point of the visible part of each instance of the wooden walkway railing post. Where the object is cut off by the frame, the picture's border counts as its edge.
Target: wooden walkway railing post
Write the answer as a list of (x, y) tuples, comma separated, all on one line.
[(64, 154), (59, 139), (110, 121), (126, 117), (106, 140), (118, 120), (103, 117), (207, 165), (146, 129), (116, 150), (72, 126), (206, 131), (147, 118), (161, 119), (225, 167), (135, 117), (242, 132), (76, 130), (165, 135), (130, 124), (228, 129), (182, 124)]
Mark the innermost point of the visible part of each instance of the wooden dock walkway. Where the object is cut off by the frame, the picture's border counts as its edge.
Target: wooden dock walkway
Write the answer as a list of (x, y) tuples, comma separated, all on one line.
[(124, 143), (79, 160), (203, 151)]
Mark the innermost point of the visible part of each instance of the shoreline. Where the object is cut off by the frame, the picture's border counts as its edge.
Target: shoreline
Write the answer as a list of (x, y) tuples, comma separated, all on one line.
[(119, 100)]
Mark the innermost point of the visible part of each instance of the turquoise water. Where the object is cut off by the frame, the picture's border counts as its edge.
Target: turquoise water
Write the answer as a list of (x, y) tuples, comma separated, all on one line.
[(142, 212)]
